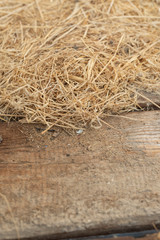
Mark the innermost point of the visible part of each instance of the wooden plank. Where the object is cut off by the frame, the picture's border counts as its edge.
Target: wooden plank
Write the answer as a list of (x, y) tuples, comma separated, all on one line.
[(101, 181), (148, 100), (140, 235), (155, 236)]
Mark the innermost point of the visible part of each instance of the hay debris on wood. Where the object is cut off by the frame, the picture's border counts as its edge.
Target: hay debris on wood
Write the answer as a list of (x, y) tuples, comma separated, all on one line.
[(73, 62)]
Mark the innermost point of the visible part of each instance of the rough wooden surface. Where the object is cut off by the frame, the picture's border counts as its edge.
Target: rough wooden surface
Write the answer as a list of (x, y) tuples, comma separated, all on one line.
[(101, 181)]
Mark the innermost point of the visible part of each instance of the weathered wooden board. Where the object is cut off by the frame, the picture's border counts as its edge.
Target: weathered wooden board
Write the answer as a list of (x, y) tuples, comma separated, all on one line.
[(101, 181), (148, 100), (155, 236)]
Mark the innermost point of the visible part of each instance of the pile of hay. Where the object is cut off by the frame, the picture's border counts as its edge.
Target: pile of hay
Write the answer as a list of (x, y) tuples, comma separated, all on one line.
[(73, 62)]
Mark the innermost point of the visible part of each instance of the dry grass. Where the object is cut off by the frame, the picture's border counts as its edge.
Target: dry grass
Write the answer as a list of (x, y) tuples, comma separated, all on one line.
[(69, 63)]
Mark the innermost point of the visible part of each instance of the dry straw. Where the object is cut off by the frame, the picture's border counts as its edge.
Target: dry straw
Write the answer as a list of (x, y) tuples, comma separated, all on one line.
[(70, 63)]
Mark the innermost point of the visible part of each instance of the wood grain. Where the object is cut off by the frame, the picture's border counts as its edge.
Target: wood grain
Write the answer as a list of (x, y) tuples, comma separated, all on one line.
[(101, 181)]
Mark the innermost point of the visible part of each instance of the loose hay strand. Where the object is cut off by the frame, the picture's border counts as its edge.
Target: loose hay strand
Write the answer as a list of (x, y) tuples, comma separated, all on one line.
[(146, 98), (71, 63)]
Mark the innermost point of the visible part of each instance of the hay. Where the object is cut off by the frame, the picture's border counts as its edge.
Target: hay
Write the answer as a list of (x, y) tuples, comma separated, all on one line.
[(69, 63)]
